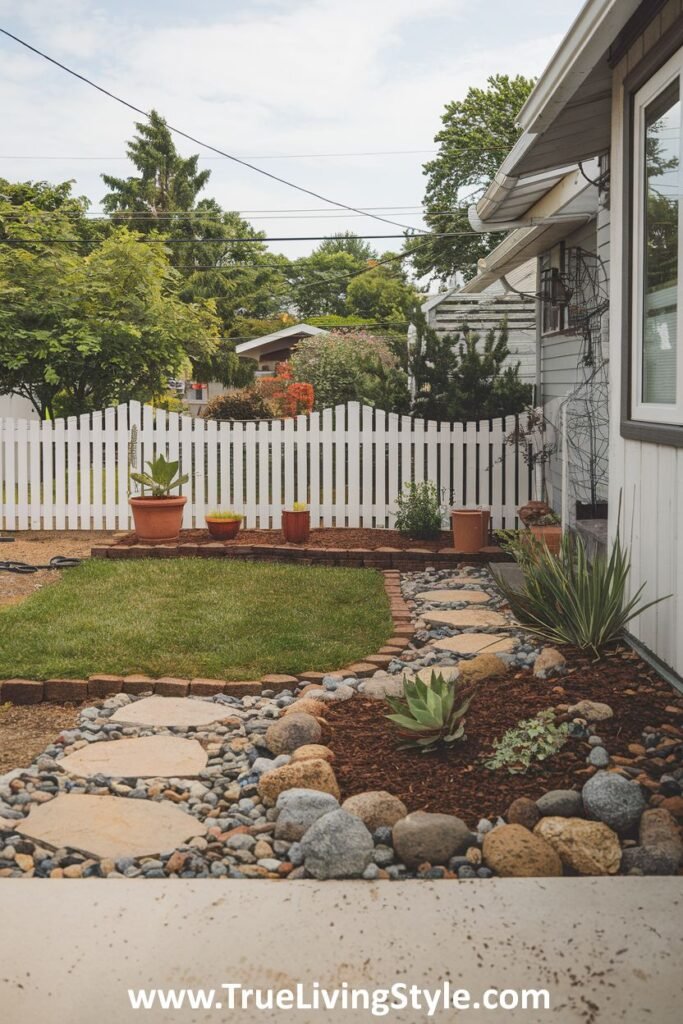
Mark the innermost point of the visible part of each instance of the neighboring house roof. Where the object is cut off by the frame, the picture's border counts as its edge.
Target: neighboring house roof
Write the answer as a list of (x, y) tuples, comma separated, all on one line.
[(566, 118), (273, 342)]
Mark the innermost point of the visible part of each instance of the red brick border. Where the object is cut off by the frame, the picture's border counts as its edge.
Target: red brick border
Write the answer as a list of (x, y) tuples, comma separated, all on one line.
[(32, 691)]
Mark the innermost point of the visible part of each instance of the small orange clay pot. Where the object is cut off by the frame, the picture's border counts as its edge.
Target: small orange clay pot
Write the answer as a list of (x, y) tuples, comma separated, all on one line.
[(157, 520), (296, 526), (468, 529), (551, 536), (223, 529)]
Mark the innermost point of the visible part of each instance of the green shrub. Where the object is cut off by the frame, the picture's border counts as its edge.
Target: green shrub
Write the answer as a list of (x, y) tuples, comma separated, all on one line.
[(431, 716), (240, 404), (420, 513), (227, 516), (567, 600), (533, 739)]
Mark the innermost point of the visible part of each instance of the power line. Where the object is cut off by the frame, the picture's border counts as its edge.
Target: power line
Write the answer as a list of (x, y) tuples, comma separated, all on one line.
[(198, 142), (429, 236), (255, 156)]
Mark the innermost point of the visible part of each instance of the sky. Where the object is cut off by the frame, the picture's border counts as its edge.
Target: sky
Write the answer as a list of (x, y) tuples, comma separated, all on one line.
[(293, 85)]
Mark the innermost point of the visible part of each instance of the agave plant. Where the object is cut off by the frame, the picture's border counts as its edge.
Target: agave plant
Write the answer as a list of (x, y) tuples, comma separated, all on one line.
[(565, 599), (162, 478), (431, 715)]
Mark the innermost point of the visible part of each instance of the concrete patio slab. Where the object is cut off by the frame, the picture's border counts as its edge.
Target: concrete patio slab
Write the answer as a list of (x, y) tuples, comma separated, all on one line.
[(449, 596), (466, 617), (144, 757), (606, 950), (171, 712), (475, 643), (109, 826)]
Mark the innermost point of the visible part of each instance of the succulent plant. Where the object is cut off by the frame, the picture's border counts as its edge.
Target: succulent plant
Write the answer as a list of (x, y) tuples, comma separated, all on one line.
[(431, 715), (162, 478), (228, 515)]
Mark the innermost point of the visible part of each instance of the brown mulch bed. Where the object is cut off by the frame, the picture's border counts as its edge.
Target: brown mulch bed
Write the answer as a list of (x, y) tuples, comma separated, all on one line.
[(26, 731), (367, 758), (324, 538)]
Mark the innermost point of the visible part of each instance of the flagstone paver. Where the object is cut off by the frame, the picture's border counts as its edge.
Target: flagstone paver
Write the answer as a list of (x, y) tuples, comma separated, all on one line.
[(171, 712), (451, 596), (109, 826), (474, 643), (142, 757), (466, 617), (449, 672)]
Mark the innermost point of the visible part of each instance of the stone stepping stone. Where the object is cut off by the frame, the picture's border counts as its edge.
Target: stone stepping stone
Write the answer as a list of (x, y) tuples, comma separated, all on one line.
[(476, 643), (144, 757), (459, 581), (171, 712), (449, 596), (449, 672), (466, 618), (109, 826)]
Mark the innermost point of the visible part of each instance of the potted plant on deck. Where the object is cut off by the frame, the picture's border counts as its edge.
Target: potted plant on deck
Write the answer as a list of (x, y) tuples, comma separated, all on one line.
[(158, 515), (296, 523), (224, 525)]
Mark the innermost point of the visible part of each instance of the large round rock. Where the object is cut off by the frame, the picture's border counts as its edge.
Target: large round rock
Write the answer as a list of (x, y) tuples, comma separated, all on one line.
[(337, 845), (376, 808), (292, 731), (587, 847), (298, 809), (298, 775), (422, 837), (560, 803), (514, 852), (610, 798)]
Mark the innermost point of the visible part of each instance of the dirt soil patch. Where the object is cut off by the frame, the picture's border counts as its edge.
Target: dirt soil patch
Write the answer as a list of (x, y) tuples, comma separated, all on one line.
[(37, 547), (26, 731), (456, 782), (346, 538)]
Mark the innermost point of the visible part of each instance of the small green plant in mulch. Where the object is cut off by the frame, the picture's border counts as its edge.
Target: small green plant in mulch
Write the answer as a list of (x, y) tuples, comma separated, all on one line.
[(419, 511), (431, 715), (533, 739)]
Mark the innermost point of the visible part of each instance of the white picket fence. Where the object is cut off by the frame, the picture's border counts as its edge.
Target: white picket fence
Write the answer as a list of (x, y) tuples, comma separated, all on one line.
[(348, 464)]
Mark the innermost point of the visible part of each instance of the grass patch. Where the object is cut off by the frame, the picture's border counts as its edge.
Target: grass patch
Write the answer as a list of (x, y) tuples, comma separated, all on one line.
[(194, 617)]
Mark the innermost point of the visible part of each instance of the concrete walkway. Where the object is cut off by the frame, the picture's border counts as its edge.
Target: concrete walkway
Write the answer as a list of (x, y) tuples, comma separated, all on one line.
[(607, 950)]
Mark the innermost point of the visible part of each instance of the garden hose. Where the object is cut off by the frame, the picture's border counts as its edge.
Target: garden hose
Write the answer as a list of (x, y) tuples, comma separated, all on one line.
[(23, 568)]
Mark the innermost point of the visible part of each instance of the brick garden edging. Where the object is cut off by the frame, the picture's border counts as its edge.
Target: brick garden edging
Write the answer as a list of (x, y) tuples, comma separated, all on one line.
[(403, 559), (36, 691)]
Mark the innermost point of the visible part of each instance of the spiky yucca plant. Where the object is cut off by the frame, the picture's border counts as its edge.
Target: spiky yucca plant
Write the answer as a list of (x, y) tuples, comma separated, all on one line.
[(565, 599), (431, 715)]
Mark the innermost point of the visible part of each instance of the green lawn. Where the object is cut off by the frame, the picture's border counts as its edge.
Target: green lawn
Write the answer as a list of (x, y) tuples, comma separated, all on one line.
[(194, 617)]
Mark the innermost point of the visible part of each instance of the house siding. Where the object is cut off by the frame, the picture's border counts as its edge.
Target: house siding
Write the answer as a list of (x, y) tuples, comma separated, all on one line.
[(645, 478)]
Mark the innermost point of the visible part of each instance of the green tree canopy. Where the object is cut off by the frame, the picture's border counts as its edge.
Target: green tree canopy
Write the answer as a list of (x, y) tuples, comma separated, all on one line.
[(477, 134), (85, 326), (459, 378)]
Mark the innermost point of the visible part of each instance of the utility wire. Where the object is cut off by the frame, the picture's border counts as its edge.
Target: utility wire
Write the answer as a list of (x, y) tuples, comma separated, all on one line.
[(429, 236), (255, 156), (198, 142)]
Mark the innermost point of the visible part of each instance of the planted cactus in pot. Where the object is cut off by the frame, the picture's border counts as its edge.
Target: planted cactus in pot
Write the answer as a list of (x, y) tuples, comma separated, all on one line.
[(296, 523), (158, 515)]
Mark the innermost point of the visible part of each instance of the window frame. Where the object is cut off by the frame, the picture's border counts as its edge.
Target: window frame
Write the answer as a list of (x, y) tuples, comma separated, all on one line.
[(663, 50), (669, 413)]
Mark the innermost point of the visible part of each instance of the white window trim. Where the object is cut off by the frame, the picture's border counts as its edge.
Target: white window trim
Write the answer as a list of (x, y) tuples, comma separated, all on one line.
[(650, 412)]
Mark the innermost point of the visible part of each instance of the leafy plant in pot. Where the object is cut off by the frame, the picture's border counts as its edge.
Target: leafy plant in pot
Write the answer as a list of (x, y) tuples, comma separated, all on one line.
[(158, 516), (224, 525), (296, 523)]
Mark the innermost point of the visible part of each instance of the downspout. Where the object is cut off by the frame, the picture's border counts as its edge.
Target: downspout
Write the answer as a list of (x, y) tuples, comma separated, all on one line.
[(539, 482)]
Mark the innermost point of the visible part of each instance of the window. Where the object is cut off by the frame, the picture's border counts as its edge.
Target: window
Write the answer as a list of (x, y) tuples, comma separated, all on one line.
[(657, 352)]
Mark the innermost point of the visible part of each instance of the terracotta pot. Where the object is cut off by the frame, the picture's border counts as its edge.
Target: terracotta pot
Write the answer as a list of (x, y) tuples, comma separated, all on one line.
[(223, 529), (532, 510), (551, 536), (157, 520), (468, 529), (296, 526)]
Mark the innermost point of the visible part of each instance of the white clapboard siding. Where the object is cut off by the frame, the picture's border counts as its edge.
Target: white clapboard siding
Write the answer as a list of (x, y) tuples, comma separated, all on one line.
[(348, 463)]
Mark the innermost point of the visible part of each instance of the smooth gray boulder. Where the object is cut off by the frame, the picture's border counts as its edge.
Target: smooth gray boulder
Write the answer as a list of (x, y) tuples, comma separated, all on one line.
[(337, 845), (298, 809), (561, 803), (610, 798), (422, 837)]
